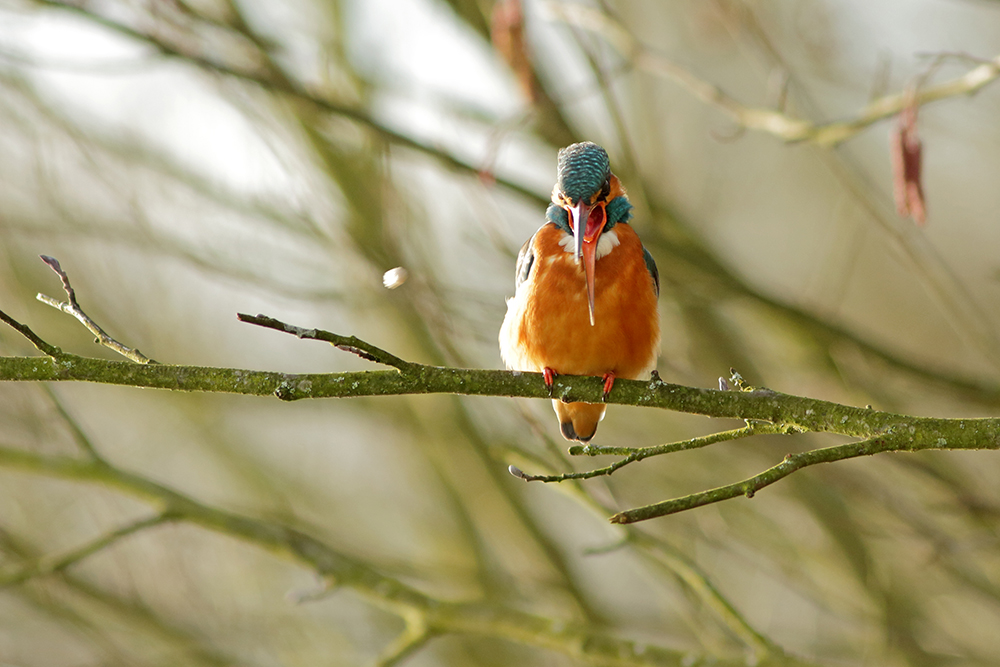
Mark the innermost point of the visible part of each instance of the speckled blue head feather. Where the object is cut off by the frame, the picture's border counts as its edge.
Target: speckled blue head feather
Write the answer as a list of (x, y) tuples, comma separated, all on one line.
[(583, 168)]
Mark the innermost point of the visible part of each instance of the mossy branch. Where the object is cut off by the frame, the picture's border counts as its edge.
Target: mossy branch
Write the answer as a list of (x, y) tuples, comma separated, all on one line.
[(765, 410), (792, 413)]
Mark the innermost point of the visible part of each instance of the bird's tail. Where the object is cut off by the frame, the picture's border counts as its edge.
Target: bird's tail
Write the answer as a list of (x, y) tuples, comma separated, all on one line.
[(578, 421)]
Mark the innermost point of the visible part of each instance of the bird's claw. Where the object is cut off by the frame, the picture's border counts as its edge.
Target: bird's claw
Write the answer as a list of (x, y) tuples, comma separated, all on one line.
[(609, 382), (549, 376)]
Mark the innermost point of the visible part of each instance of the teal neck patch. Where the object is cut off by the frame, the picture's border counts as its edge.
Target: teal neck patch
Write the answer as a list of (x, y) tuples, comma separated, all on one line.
[(619, 210)]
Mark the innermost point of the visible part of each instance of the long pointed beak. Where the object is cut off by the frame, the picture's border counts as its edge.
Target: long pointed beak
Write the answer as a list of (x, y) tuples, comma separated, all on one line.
[(589, 266), (580, 214), (585, 234)]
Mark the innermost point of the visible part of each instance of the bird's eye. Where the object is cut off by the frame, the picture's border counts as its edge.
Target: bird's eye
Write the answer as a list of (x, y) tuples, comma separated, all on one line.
[(605, 189)]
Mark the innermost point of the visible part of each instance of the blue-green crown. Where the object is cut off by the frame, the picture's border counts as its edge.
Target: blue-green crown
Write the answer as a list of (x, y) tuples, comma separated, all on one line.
[(583, 169)]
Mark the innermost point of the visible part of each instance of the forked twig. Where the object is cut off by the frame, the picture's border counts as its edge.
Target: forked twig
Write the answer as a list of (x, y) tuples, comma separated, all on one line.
[(777, 123), (51, 565), (71, 307), (750, 486), (633, 454)]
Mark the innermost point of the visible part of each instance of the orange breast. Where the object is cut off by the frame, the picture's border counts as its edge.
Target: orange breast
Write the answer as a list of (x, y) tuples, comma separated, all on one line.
[(548, 322)]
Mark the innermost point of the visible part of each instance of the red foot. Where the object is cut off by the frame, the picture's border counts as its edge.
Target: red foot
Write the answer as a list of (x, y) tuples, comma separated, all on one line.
[(549, 376), (609, 382)]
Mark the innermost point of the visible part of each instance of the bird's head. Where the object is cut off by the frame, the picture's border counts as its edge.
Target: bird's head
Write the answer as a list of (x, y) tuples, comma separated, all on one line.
[(584, 189)]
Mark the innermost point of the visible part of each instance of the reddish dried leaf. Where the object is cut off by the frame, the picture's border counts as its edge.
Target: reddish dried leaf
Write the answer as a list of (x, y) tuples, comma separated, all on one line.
[(507, 33), (905, 150)]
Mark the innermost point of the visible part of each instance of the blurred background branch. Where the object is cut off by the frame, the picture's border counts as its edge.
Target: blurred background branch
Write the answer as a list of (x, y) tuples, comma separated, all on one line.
[(425, 616), (783, 126)]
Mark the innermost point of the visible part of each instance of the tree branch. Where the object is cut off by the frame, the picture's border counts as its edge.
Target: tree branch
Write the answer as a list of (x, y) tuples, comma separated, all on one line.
[(622, 41), (781, 125), (889, 442), (776, 412), (351, 344), (633, 454), (50, 565), (791, 413), (25, 330), (277, 82), (437, 616), (71, 307)]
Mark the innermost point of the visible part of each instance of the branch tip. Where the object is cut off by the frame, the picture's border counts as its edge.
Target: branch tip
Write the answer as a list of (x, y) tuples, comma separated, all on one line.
[(52, 262)]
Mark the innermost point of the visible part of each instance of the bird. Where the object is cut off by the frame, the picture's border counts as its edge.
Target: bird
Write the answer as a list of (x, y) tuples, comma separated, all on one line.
[(586, 290)]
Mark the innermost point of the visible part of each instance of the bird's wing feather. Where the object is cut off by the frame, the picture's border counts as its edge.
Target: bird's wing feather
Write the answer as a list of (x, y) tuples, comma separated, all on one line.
[(650, 266), (525, 260)]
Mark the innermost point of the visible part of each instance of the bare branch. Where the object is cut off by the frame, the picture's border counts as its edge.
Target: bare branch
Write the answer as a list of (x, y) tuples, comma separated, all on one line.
[(633, 454), (765, 410), (277, 82), (351, 344), (24, 330), (421, 611), (71, 307), (785, 412), (782, 125), (413, 638), (49, 565), (752, 485)]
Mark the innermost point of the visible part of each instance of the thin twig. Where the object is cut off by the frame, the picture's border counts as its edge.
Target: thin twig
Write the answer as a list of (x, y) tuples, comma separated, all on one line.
[(413, 638), (753, 428), (658, 552), (71, 307), (74, 426), (49, 565), (24, 330), (582, 641), (752, 485), (351, 344), (633, 454), (278, 83), (777, 123)]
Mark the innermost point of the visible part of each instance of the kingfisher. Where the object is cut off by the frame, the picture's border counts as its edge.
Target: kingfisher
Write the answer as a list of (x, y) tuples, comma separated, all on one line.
[(585, 290)]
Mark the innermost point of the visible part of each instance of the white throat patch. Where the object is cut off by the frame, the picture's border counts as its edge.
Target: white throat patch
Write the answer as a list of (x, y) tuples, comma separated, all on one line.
[(608, 242)]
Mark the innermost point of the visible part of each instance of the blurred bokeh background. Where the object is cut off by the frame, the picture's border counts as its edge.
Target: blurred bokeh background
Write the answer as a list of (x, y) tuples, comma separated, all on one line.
[(186, 160)]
